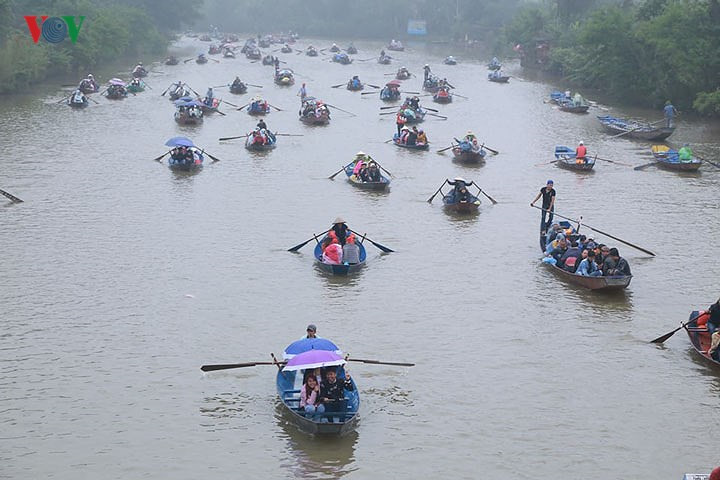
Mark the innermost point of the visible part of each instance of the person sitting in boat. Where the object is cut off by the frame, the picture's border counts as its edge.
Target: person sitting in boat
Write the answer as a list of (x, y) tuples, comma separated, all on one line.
[(78, 97), (714, 352), (414, 103), (404, 133), (340, 229), (332, 254), (412, 136), (309, 398), (332, 393), (569, 260), (139, 70), (459, 192), (557, 248), (194, 112), (421, 138), (374, 172), (580, 153), (713, 317), (400, 121), (685, 154), (588, 267), (495, 61), (355, 82), (311, 332), (257, 137), (351, 251), (363, 174), (620, 266)]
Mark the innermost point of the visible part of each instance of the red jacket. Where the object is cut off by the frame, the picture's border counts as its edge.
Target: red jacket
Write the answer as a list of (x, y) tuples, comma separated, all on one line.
[(581, 151)]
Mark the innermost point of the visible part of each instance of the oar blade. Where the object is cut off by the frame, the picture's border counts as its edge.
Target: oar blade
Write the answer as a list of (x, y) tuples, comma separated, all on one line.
[(228, 366)]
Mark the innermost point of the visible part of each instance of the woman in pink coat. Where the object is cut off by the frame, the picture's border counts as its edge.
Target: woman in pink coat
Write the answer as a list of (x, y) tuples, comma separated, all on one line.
[(309, 397)]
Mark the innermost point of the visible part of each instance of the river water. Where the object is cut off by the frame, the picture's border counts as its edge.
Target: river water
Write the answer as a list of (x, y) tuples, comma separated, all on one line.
[(121, 278)]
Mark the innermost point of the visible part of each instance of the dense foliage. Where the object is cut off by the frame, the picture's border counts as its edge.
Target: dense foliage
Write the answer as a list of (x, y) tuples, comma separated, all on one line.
[(644, 52), (111, 28)]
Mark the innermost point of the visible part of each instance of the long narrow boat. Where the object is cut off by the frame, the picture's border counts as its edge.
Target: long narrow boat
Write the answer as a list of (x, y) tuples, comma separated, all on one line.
[(670, 160), (468, 156), (565, 158), (566, 104), (700, 338), (341, 269), (631, 128), (288, 385), (498, 78), (382, 185), (592, 283), (423, 146)]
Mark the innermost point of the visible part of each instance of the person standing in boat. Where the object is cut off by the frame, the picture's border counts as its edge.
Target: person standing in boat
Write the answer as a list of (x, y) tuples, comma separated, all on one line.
[(670, 111), (426, 70), (548, 204), (208, 97), (302, 93), (262, 125), (580, 153)]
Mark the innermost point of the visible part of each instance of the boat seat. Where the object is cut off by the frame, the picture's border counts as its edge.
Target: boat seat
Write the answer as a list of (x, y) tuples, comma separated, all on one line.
[(286, 392), (696, 329)]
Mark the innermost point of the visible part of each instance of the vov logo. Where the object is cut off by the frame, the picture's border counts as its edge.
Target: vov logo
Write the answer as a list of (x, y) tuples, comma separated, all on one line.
[(53, 29)]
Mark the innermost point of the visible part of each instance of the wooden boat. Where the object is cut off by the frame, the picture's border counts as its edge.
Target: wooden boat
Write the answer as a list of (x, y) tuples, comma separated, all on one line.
[(211, 108), (268, 60), (179, 93), (468, 156), (87, 88), (418, 115), (284, 77), (334, 49), (396, 47), (139, 73), (396, 141), (228, 54), (339, 269), (566, 104), (353, 87), (183, 118), (258, 108), (431, 84), (351, 50), (187, 166), (390, 93), (313, 119), (384, 60), (264, 42), (498, 78), (286, 49), (670, 160), (74, 103), (116, 93), (700, 338), (403, 74), (253, 54), (451, 205), (260, 147), (592, 283), (311, 52), (288, 388), (631, 128), (382, 185), (238, 88), (450, 60), (172, 61), (201, 59), (131, 88), (213, 50), (205, 38), (494, 66), (342, 58), (565, 158), (442, 96)]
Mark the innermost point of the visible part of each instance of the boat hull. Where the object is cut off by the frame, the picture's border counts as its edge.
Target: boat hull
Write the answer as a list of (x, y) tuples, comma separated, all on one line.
[(461, 156), (314, 120), (501, 79), (700, 338), (339, 269), (462, 208), (634, 130), (380, 186), (397, 142)]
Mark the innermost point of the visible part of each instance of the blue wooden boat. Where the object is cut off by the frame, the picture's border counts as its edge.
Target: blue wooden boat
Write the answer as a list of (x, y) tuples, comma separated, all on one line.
[(396, 141), (258, 107), (339, 269), (342, 58), (700, 338), (669, 159), (566, 104), (635, 129), (593, 283), (565, 158), (288, 388), (383, 184)]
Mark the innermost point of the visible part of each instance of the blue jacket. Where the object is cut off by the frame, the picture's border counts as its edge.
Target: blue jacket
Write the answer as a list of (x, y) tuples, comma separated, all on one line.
[(586, 267)]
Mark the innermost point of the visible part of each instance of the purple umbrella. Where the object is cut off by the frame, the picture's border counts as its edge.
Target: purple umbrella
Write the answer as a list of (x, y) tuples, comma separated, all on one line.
[(314, 359), (307, 344), (116, 81)]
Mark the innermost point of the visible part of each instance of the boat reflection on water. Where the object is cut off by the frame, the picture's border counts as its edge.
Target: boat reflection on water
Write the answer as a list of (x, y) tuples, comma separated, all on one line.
[(310, 456)]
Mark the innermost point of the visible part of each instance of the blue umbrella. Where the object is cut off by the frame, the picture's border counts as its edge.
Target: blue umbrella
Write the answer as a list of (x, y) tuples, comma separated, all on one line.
[(183, 100), (307, 344), (191, 103), (180, 142)]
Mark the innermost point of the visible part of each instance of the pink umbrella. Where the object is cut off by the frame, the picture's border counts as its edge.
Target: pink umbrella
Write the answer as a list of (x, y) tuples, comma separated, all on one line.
[(314, 359)]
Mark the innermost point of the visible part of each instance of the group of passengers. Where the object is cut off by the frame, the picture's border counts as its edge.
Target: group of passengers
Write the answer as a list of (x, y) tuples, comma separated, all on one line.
[(323, 392), (261, 135), (314, 108), (412, 136), (339, 247), (192, 111), (581, 255), (366, 169), (88, 84), (259, 105), (184, 155), (469, 143)]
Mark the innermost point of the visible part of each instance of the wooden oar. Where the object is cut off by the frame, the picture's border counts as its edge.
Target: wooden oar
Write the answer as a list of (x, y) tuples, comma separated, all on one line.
[(431, 109), (185, 61), (546, 163), (446, 148), (494, 152), (641, 167), (429, 200), (92, 99), (216, 61), (612, 161), (412, 93), (256, 86), (11, 196), (664, 338), (458, 95), (64, 99), (221, 86), (161, 156), (378, 362), (381, 247), (600, 232), (371, 85), (488, 196), (382, 168), (329, 105), (215, 159), (708, 161), (276, 108), (299, 246), (339, 171), (443, 117), (231, 104), (227, 366), (338, 85), (243, 106), (221, 113), (166, 90), (386, 108), (387, 113), (231, 138), (368, 93), (289, 135)]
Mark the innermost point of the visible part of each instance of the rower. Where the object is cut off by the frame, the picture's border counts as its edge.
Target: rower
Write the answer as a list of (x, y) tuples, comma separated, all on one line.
[(580, 153), (262, 125)]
